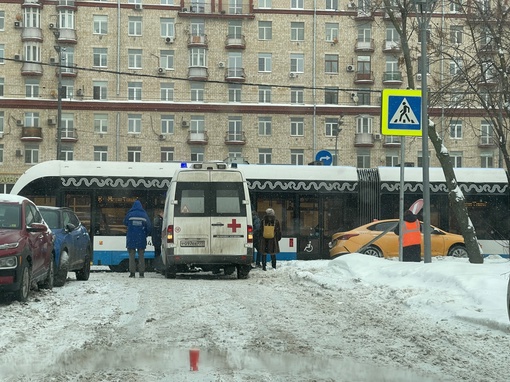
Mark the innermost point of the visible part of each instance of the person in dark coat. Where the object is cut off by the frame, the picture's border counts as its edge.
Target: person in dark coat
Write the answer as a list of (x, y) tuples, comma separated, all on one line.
[(411, 237), (138, 228), (157, 227), (256, 238), (270, 245)]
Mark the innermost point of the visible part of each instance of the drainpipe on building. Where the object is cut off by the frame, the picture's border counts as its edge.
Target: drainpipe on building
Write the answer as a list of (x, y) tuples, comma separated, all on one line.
[(314, 144)]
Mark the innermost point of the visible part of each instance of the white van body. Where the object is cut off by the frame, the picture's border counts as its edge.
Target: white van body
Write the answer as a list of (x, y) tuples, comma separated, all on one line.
[(208, 221)]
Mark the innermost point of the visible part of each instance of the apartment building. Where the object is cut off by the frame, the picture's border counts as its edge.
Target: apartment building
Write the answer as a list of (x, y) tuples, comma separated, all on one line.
[(264, 81)]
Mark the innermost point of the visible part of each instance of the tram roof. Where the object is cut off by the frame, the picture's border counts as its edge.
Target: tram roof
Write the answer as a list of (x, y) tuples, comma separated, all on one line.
[(436, 175), (292, 172)]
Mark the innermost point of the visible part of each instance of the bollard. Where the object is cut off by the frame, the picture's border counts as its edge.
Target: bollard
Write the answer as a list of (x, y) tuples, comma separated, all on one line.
[(193, 359)]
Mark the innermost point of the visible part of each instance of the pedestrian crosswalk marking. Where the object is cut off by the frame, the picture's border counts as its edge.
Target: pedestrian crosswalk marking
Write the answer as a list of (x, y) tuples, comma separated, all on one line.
[(404, 115)]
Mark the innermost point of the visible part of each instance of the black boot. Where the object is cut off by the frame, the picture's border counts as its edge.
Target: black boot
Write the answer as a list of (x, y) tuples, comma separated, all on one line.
[(273, 261), (131, 274), (141, 275)]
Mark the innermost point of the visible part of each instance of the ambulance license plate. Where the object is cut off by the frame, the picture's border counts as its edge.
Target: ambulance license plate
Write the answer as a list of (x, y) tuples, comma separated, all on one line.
[(192, 243)]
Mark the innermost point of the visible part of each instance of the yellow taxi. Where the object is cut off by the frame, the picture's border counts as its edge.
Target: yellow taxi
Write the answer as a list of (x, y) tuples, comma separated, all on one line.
[(378, 239)]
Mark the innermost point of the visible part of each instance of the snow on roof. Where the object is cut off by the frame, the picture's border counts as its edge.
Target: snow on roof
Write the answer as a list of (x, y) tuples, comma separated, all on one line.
[(464, 175), (8, 198)]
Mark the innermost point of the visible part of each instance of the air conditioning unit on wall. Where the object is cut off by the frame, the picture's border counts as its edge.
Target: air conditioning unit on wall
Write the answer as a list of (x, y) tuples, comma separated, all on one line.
[(418, 76), (350, 68)]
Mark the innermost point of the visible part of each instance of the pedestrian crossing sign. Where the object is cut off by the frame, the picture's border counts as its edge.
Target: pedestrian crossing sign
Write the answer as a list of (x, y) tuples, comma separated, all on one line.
[(401, 112)]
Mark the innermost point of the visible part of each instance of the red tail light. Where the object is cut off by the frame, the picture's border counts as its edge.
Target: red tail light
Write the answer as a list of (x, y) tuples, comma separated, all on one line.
[(250, 234), (170, 234), (347, 236)]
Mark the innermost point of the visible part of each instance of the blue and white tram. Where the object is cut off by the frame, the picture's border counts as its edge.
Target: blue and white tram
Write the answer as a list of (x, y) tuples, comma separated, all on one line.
[(311, 202)]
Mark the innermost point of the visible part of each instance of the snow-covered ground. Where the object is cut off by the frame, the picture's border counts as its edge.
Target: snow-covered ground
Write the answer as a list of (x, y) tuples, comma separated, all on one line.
[(355, 318)]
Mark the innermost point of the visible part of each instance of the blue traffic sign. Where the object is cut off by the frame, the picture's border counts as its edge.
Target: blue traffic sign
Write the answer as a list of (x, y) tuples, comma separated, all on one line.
[(325, 157), (401, 112)]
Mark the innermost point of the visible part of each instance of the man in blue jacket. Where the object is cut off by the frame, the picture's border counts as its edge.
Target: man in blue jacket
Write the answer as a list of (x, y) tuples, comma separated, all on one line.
[(138, 228)]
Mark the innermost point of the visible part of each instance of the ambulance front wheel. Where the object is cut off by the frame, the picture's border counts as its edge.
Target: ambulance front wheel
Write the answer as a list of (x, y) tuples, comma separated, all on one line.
[(243, 271)]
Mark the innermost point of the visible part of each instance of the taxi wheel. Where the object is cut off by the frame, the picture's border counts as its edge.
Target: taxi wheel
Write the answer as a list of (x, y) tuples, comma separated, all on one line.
[(373, 251), (458, 251)]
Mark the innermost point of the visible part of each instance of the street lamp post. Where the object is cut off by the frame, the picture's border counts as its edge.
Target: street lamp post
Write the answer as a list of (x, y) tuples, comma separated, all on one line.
[(423, 14), (336, 130), (59, 49)]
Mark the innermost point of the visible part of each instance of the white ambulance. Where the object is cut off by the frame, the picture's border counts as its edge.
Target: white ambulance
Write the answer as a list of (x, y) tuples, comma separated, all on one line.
[(208, 222)]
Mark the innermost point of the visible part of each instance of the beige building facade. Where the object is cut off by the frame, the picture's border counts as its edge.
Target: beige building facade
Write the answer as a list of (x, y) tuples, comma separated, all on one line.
[(264, 81)]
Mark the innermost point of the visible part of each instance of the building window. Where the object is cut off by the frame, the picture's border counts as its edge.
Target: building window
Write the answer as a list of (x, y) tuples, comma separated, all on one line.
[(31, 154), (297, 127), (167, 27), (265, 126), (197, 92), (67, 126), (100, 90), (297, 157), (134, 123), (265, 156), (297, 4), (1, 86), (2, 20), (265, 30), (297, 96), (167, 124), (234, 93), (364, 66), (235, 129), (66, 19), (31, 119), (32, 88), (134, 154), (2, 122), (197, 154), (198, 57), (486, 133), (197, 128), (331, 32), (331, 62), (456, 32), (167, 91), (297, 31), (419, 159), (134, 59), (264, 94), (364, 125), (167, 59), (134, 91), (101, 153), (100, 24), (2, 54), (297, 63), (332, 5), (392, 38), (456, 129), (235, 154), (2, 155), (101, 123), (486, 160), (68, 88), (31, 17), (331, 96), (265, 4), (134, 26), (265, 61), (331, 126), (363, 158), (167, 154), (392, 159), (364, 97), (66, 153), (100, 57), (456, 158), (32, 51)]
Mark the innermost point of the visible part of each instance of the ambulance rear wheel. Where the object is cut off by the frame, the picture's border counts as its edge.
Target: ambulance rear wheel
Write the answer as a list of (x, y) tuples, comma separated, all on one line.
[(170, 273), (243, 271)]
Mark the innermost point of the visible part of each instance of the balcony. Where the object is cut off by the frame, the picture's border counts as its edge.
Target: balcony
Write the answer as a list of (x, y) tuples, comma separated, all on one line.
[(391, 47), (364, 140), (198, 73), (487, 141), (32, 69), (235, 138), (364, 78), (68, 135), (392, 78), (31, 134), (235, 42), (66, 36), (364, 15), (32, 34), (235, 75), (391, 141), (68, 71), (197, 41), (197, 138), (364, 46)]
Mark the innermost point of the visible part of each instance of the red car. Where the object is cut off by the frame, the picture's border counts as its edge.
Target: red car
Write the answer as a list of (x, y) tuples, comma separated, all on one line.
[(26, 247)]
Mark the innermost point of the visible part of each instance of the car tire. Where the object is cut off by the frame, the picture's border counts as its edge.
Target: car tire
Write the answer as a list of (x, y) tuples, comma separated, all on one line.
[(458, 251), (61, 271), (243, 271), (47, 283), (25, 283), (508, 299), (372, 250), (84, 273), (123, 266), (170, 273)]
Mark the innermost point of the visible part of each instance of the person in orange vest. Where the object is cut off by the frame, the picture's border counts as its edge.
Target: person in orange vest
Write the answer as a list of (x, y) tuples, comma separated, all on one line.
[(411, 237)]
